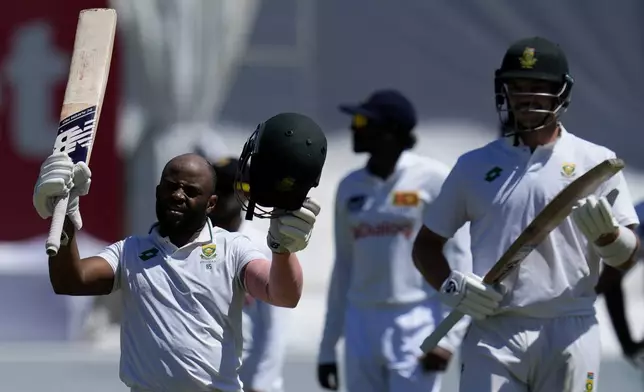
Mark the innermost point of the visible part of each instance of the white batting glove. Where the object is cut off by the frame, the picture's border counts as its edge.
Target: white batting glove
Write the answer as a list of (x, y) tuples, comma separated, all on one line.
[(58, 177), (290, 233), (594, 217), (469, 295)]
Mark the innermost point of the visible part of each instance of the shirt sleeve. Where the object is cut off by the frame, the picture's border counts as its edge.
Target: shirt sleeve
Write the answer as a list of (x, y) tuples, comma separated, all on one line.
[(113, 255), (623, 208), (242, 252), (339, 285), (447, 212), (262, 368)]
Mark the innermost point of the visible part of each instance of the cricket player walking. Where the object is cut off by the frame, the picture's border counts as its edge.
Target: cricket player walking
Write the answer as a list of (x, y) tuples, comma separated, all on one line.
[(543, 335), (376, 299), (184, 283), (265, 326)]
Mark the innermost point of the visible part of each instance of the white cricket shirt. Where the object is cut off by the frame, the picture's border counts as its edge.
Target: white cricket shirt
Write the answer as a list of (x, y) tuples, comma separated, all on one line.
[(499, 189), (376, 222), (182, 310)]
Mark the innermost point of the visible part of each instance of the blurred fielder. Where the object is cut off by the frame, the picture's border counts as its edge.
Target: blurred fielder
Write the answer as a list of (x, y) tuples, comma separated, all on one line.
[(544, 335), (183, 284), (614, 294), (265, 327), (376, 299)]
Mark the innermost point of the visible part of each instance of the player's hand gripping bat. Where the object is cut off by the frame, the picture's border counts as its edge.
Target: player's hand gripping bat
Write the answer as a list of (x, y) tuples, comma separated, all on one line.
[(547, 220), (88, 72)]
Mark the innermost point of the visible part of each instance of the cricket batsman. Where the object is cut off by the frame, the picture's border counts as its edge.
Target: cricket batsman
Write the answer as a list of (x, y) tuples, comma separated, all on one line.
[(265, 326), (537, 331), (183, 284), (376, 299)]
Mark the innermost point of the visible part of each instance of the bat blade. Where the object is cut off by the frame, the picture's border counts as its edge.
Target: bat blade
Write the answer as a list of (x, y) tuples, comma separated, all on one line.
[(86, 84), (543, 224)]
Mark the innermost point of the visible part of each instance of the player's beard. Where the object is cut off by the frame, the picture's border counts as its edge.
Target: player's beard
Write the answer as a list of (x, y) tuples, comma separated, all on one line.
[(189, 222)]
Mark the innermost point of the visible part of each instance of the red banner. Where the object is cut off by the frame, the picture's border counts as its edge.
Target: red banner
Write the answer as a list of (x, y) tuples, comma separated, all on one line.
[(36, 42)]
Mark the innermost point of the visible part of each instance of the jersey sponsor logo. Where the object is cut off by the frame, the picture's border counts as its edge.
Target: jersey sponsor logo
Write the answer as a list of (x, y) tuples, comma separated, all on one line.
[(406, 199), (568, 170), (493, 174), (355, 203), (383, 229), (148, 254), (590, 381), (209, 252)]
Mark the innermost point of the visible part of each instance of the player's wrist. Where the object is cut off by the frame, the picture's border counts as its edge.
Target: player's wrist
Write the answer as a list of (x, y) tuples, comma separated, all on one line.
[(620, 250)]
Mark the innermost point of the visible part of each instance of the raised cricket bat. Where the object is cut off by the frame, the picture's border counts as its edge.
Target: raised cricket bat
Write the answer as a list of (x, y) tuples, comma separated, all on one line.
[(547, 220), (88, 72)]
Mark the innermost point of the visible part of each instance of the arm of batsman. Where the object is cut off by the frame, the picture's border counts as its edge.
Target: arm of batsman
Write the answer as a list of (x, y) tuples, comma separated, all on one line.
[(290, 231), (60, 177)]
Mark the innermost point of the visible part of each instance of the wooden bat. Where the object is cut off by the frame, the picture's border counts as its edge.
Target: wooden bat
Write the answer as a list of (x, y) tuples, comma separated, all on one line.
[(545, 222), (88, 72)]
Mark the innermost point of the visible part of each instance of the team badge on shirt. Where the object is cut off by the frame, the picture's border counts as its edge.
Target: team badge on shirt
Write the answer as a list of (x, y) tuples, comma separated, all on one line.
[(568, 170), (406, 199), (208, 252)]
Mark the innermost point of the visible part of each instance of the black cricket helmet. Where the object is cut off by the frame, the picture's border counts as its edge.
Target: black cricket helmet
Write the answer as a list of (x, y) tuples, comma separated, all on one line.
[(535, 59), (280, 163)]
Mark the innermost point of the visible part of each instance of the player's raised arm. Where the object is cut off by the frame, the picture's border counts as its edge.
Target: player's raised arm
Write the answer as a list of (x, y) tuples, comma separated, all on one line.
[(280, 282), (69, 274)]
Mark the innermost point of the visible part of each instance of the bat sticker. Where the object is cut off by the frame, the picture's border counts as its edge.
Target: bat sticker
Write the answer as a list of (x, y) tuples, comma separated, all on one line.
[(75, 134)]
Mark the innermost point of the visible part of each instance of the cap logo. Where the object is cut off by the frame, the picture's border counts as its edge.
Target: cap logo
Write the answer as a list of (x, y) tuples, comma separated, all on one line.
[(527, 59), (286, 184), (359, 121)]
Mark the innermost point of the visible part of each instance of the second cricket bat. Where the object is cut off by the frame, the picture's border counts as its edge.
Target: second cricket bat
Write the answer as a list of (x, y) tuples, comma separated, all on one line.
[(88, 72), (544, 223)]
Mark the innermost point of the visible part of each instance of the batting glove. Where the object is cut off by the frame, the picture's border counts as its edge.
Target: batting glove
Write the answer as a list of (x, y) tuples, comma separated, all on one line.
[(469, 295), (594, 217), (290, 231), (59, 177)]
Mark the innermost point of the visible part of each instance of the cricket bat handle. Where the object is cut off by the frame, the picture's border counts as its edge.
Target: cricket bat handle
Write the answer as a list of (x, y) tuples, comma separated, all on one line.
[(443, 328), (56, 228)]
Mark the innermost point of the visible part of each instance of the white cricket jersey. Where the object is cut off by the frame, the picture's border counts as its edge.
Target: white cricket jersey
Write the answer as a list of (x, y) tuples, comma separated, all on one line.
[(182, 310), (376, 222), (499, 189), (266, 331)]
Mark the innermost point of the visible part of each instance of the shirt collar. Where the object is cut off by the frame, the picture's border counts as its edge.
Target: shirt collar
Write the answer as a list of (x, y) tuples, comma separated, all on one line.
[(205, 235), (511, 140)]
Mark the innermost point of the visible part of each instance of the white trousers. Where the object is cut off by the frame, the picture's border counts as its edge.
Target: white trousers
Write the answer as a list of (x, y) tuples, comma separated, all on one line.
[(382, 348), (519, 354)]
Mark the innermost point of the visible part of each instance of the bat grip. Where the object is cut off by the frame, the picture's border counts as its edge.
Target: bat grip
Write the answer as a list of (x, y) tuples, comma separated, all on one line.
[(56, 228), (443, 328)]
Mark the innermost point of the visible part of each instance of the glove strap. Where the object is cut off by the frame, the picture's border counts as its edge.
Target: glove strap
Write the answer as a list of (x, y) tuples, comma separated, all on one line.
[(619, 251)]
